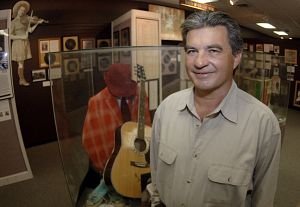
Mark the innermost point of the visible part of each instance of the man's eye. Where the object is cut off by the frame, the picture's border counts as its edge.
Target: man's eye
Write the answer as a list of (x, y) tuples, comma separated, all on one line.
[(190, 51), (214, 50)]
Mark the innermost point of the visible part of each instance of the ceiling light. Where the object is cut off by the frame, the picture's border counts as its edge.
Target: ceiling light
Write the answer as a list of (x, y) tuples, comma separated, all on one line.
[(233, 2), (266, 25), (204, 1), (280, 32), (290, 38)]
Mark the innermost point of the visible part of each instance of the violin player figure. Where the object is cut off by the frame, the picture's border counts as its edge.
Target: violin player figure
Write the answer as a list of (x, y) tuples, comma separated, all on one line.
[(21, 26)]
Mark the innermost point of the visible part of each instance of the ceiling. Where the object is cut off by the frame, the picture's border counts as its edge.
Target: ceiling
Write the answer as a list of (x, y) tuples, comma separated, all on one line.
[(283, 14)]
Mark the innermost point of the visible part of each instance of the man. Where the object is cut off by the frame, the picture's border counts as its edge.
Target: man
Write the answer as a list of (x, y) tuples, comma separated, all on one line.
[(213, 144)]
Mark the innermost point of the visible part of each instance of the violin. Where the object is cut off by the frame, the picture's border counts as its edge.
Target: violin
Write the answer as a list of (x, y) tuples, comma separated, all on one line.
[(36, 19)]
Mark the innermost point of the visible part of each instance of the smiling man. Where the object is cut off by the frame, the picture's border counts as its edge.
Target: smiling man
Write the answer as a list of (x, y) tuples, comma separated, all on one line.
[(213, 144)]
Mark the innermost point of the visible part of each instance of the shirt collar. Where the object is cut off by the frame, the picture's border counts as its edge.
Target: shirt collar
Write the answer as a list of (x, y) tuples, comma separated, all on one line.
[(227, 106)]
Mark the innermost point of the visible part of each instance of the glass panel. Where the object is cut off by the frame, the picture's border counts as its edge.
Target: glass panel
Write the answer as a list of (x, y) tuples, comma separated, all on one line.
[(265, 77), (79, 77)]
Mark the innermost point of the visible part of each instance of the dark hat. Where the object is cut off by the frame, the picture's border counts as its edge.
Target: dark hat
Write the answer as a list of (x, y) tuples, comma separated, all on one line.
[(119, 82), (17, 6)]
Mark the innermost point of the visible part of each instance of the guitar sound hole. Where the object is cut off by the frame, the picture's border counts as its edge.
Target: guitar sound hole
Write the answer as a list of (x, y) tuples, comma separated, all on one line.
[(140, 144)]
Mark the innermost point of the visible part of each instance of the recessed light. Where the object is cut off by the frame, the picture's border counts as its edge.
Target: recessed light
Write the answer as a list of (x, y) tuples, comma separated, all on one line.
[(280, 32), (204, 1), (266, 25)]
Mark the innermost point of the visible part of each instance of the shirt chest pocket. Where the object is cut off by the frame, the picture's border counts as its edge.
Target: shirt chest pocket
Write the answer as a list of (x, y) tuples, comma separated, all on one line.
[(166, 164), (227, 184)]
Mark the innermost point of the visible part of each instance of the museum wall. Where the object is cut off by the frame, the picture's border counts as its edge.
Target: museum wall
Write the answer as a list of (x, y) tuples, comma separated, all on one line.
[(66, 18), (89, 18)]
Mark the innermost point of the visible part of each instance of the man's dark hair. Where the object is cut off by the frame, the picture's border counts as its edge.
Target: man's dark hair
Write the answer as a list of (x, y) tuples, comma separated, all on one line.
[(202, 19)]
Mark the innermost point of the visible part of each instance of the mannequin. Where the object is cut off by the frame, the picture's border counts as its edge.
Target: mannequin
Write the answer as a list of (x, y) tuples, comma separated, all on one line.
[(21, 26)]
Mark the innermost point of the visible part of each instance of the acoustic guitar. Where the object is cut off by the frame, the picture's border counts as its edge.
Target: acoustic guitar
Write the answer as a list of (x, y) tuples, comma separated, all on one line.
[(128, 161)]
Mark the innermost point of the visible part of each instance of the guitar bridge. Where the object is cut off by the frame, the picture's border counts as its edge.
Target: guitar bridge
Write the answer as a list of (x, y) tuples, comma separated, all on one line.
[(139, 164)]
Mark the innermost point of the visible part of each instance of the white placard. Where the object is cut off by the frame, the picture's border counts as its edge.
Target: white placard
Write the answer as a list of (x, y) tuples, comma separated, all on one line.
[(5, 113)]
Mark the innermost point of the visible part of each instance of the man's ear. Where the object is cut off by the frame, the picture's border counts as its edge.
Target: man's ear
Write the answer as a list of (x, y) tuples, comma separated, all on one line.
[(237, 59)]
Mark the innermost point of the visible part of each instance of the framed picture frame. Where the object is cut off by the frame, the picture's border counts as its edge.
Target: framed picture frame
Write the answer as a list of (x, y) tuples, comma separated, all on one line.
[(38, 75), (259, 48), (70, 43), (297, 94), (276, 49), (290, 56), (104, 61), (87, 43), (116, 38), (49, 49), (71, 66), (171, 19), (103, 43), (125, 36)]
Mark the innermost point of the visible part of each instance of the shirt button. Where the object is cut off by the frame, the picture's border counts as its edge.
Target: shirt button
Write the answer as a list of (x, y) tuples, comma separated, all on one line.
[(195, 155), (188, 181)]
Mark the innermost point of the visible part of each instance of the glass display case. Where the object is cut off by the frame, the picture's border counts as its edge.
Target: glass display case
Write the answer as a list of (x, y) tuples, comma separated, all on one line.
[(265, 77), (78, 76)]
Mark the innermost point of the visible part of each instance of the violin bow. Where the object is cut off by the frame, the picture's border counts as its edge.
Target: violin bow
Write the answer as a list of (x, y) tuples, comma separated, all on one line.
[(30, 18)]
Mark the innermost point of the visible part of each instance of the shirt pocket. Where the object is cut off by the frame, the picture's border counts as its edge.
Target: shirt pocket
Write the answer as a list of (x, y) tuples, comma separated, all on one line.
[(166, 165), (227, 185)]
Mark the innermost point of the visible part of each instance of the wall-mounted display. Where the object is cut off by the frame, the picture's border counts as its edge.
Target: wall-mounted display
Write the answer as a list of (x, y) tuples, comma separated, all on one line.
[(276, 49), (259, 47), (297, 94), (290, 56), (70, 43), (87, 43), (38, 75), (103, 43), (104, 61), (169, 62), (71, 66), (171, 20), (47, 49)]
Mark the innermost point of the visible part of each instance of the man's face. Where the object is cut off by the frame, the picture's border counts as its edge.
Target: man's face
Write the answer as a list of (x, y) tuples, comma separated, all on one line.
[(209, 59)]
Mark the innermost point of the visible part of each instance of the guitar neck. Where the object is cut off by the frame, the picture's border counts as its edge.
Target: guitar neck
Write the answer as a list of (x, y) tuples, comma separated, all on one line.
[(141, 111)]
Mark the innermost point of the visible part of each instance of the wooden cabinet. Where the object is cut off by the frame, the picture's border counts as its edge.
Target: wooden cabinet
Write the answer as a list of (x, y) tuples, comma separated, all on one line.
[(144, 30)]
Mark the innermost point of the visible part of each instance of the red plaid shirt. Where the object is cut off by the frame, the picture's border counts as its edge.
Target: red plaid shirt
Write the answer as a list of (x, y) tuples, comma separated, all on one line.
[(102, 118)]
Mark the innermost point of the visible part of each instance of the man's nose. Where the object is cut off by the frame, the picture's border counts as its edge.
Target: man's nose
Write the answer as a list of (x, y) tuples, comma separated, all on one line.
[(201, 59)]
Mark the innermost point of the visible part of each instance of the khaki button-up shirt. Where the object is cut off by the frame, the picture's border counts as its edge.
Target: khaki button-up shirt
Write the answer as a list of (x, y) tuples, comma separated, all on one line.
[(231, 158)]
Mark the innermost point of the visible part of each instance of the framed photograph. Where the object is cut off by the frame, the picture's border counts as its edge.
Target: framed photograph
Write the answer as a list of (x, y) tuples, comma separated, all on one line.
[(103, 43), (49, 49), (70, 43), (71, 66), (104, 61), (38, 75), (297, 94), (87, 43), (116, 38), (290, 56), (276, 49), (125, 37), (171, 19), (259, 48), (44, 46), (251, 48)]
